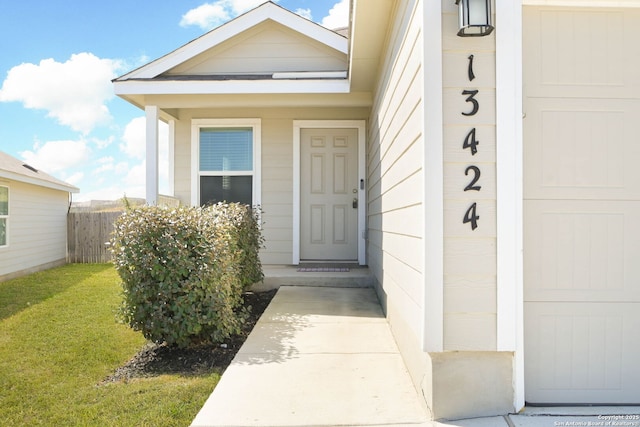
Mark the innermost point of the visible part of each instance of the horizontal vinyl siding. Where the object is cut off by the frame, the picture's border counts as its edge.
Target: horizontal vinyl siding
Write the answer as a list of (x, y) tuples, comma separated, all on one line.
[(266, 48), (395, 176), (37, 227), (182, 161), (277, 166), (469, 255), (277, 190)]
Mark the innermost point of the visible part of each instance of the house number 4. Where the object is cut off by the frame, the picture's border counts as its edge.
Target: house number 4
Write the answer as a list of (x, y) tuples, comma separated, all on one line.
[(471, 216)]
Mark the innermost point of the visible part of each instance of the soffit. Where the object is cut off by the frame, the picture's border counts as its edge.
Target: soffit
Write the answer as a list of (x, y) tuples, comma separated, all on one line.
[(369, 24)]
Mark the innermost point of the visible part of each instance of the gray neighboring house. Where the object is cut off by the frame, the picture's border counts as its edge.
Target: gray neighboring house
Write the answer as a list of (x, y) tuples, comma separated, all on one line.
[(33, 218)]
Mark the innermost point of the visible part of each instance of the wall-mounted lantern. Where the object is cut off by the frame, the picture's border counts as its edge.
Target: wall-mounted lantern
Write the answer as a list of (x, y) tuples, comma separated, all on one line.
[(474, 18)]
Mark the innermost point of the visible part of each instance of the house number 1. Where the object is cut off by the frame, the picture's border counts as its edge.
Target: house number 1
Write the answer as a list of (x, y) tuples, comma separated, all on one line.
[(470, 142)]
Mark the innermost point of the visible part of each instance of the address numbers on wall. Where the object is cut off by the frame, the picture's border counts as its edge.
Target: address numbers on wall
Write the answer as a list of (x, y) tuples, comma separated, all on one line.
[(471, 143)]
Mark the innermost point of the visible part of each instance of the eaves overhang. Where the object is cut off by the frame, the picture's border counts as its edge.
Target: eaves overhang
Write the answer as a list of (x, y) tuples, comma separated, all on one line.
[(227, 87), (368, 35), (12, 176)]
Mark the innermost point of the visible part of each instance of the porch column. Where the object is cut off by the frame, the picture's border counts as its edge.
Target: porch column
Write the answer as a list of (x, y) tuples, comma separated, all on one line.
[(152, 116), (172, 139)]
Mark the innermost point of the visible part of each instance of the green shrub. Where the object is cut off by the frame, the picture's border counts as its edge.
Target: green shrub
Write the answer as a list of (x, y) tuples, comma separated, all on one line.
[(183, 270)]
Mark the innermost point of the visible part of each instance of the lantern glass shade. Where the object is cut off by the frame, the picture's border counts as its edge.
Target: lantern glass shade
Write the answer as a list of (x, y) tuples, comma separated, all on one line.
[(474, 18)]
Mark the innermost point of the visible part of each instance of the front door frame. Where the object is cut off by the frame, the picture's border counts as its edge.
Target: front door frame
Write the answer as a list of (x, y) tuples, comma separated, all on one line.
[(360, 125)]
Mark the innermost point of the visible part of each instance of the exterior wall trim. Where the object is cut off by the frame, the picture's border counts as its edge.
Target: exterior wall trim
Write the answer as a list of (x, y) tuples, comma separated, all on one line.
[(360, 125), (196, 124), (583, 3), (7, 218), (200, 87), (8, 175), (433, 170), (509, 188)]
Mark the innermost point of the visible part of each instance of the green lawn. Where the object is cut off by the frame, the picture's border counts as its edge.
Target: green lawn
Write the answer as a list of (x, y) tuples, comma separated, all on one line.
[(59, 339)]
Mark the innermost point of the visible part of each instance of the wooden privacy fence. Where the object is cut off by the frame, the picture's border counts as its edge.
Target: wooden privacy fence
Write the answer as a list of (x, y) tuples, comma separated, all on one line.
[(87, 235)]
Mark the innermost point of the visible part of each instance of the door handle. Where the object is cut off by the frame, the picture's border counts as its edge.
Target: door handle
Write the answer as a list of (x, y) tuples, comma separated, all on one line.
[(354, 204)]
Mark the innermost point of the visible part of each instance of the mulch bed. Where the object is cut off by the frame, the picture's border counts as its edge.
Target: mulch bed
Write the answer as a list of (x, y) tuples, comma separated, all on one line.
[(159, 359)]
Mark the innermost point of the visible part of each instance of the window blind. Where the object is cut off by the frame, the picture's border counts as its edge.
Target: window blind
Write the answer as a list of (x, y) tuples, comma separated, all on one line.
[(226, 149)]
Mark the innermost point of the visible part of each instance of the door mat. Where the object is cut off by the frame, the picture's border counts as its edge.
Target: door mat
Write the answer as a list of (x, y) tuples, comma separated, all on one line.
[(323, 269)]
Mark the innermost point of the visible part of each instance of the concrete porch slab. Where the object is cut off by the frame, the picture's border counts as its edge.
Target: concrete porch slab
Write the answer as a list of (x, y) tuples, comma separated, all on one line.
[(318, 356), (287, 275), (332, 305)]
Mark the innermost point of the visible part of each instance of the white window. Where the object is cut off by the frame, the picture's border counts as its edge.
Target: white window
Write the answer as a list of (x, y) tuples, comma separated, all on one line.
[(4, 215), (225, 161)]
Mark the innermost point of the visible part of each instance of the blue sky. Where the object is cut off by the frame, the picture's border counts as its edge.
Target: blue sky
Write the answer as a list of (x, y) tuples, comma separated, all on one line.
[(57, 58)]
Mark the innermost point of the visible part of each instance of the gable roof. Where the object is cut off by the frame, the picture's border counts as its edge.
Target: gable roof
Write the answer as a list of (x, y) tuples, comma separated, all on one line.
[(17, 170), (266, 12), (226, 64)]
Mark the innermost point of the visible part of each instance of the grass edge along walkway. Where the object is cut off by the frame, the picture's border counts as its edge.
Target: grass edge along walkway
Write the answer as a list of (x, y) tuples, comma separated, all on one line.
[(59, 339)]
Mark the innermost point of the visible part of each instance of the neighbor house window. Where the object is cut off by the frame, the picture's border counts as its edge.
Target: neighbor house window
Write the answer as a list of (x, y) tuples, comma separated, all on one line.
[(4, 214), (227, 153)]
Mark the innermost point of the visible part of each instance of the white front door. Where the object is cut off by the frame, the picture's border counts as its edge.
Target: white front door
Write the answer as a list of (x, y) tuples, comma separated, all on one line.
[(329, 194), (582, 205)]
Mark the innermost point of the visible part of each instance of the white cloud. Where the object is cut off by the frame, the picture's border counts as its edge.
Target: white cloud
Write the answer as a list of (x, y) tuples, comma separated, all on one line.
[(213, 14), (73, 92), (57, 156), (137, 176), (104, 160), (102, 143), (241, 6), (338, 16), (206, 16), (75, 179), (121, 168), (305, 13), (104, 168), (210, 15), (134, 138), (134, 146), (107, 164)]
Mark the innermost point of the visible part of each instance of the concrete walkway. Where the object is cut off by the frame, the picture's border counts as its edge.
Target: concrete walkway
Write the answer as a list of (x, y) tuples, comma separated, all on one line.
[(318, 356), (325, 356)]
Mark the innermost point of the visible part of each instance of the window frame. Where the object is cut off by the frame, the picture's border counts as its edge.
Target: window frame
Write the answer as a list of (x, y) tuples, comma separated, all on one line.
[(255, 125), (6, 217)]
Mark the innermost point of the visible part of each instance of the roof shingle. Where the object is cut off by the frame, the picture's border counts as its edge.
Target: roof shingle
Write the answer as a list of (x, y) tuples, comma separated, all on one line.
[(12, 168)]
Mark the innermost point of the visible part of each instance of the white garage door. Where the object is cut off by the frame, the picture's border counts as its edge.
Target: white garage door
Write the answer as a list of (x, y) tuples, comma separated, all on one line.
[(582, 205)]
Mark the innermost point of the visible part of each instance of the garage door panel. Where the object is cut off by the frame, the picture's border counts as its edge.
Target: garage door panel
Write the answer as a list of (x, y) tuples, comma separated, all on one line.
[(581, 205), (582, 250), (582, 352), (574, 52), (582, 149)]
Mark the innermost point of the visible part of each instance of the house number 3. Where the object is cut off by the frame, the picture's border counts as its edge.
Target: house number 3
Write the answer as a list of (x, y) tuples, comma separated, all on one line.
[(470, 142)]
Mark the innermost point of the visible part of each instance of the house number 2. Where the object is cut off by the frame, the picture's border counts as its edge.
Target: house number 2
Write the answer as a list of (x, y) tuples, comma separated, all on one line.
[(470, 142)]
